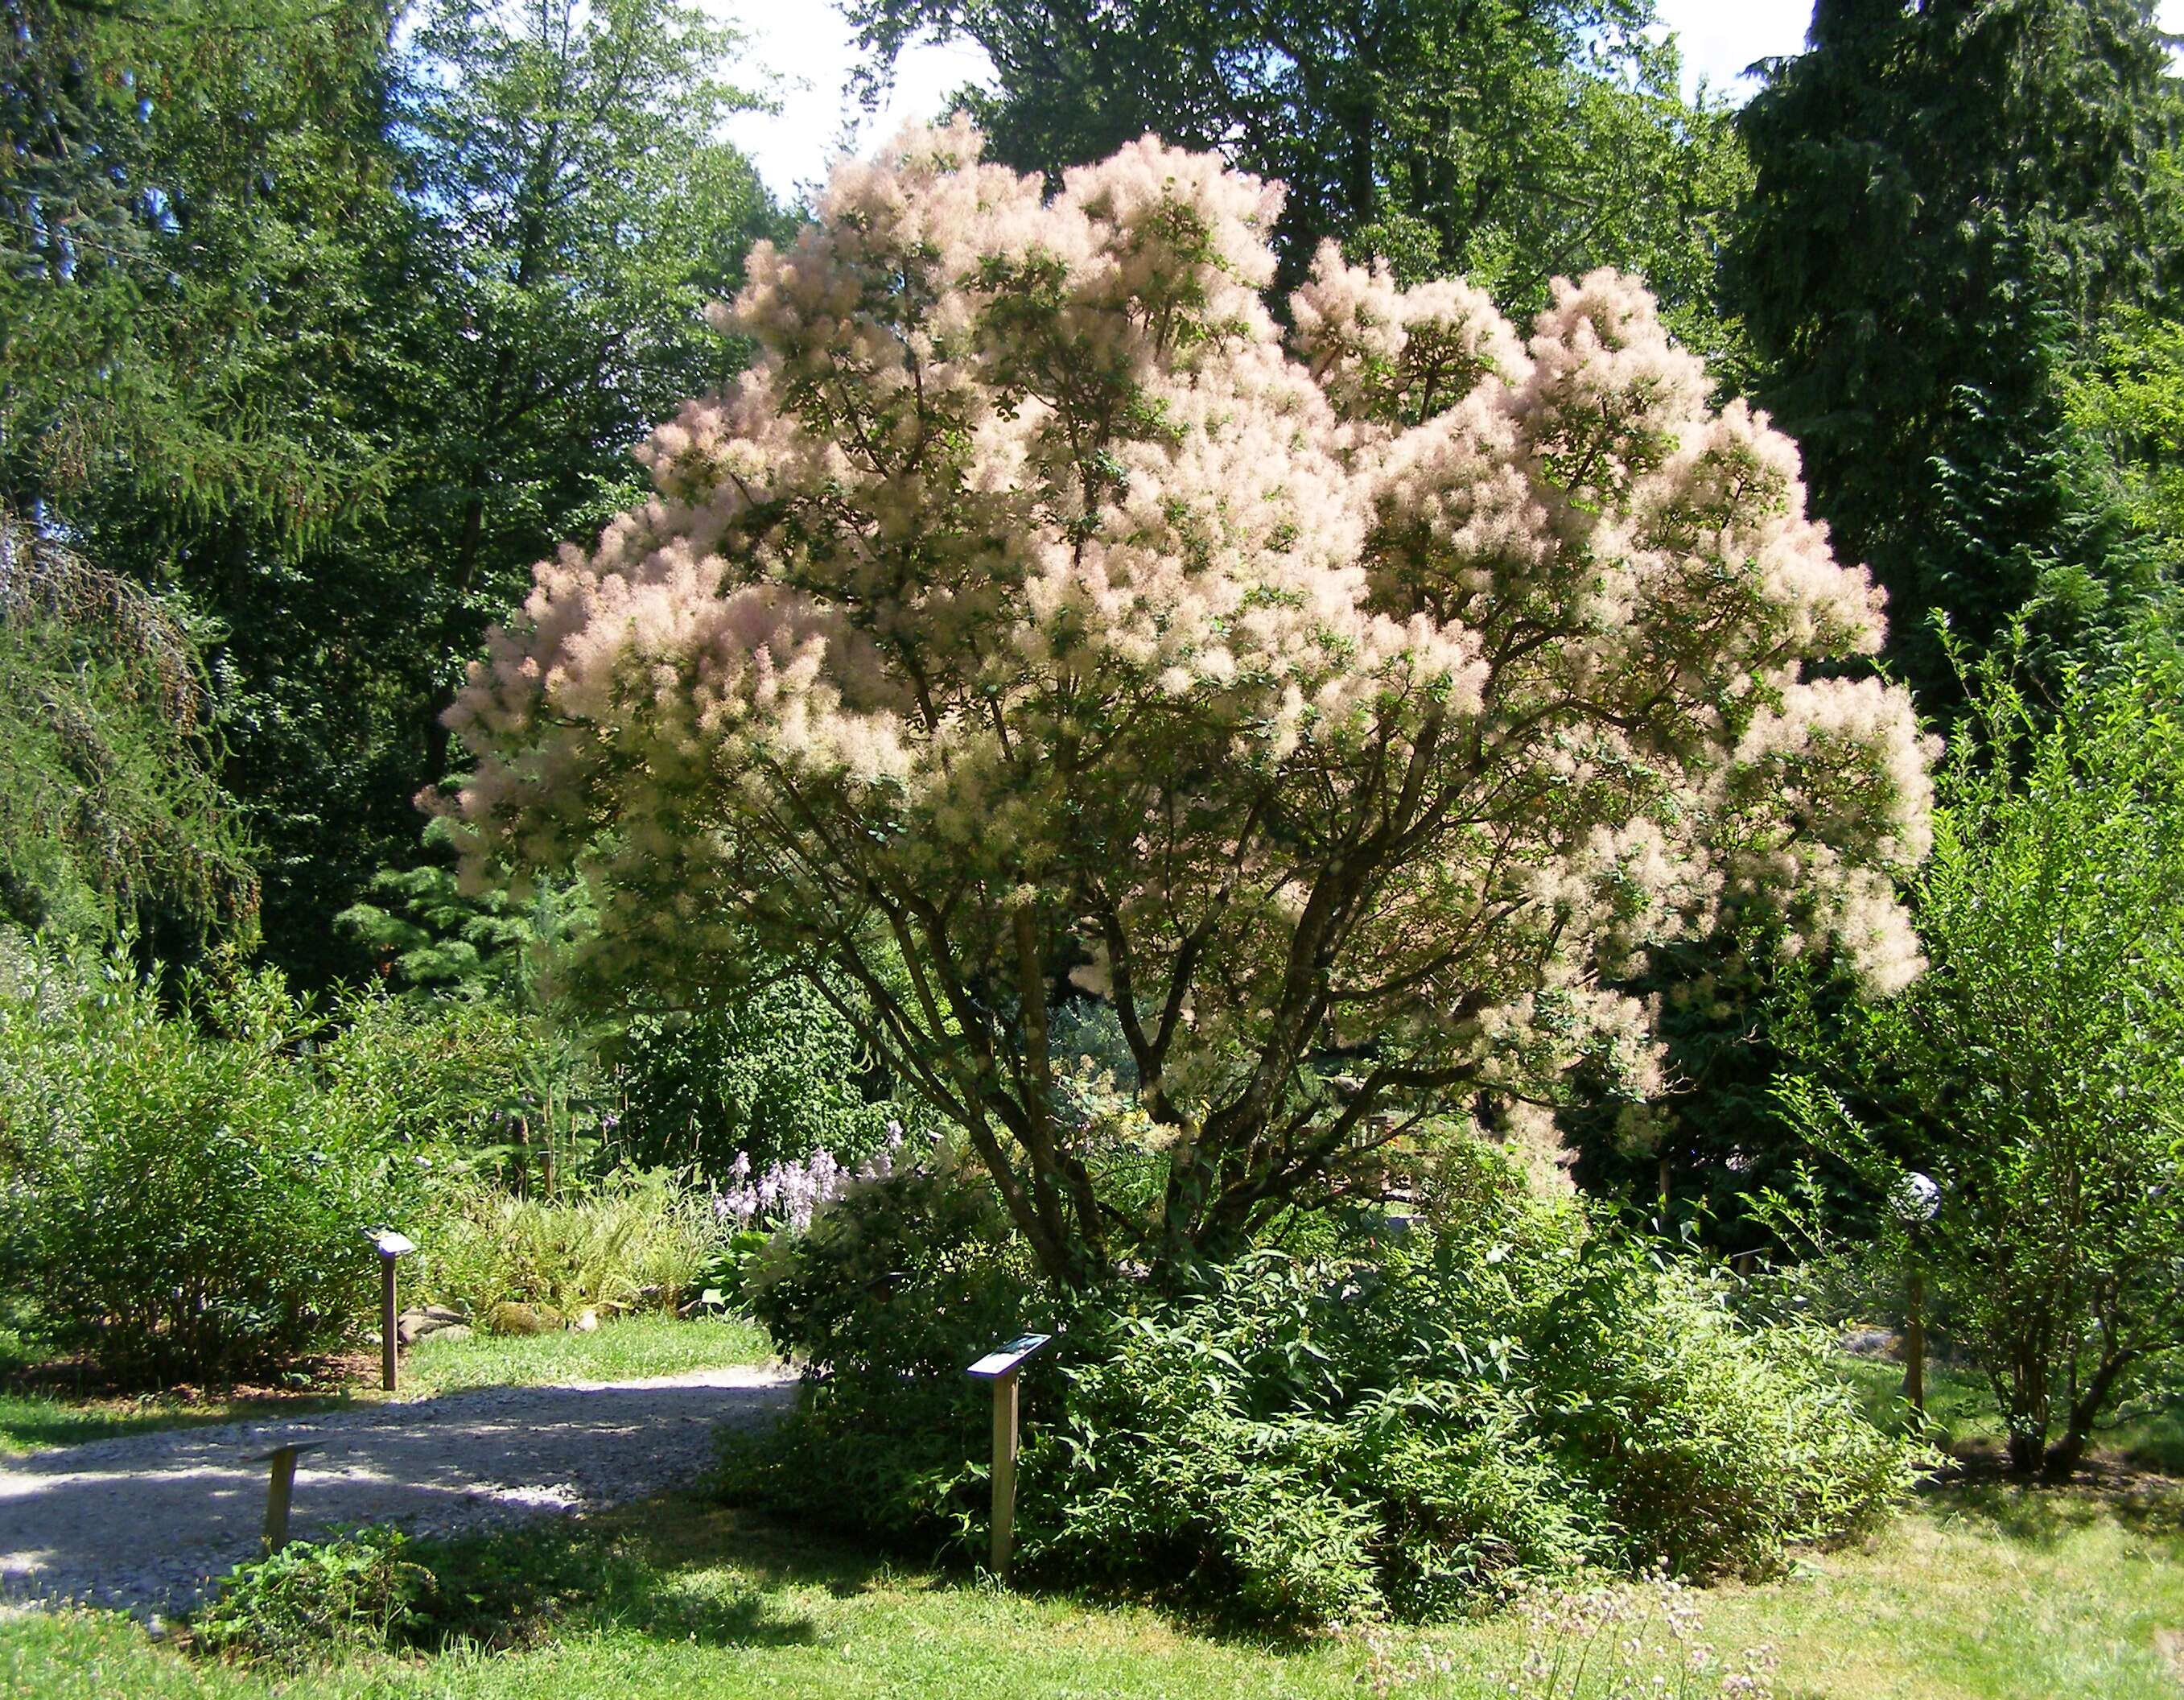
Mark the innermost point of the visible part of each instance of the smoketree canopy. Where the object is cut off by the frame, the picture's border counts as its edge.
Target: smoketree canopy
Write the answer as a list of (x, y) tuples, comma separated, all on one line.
[(1032, 621)]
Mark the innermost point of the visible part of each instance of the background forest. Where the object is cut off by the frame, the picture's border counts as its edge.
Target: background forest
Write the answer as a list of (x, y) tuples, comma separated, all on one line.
[(323, 321)]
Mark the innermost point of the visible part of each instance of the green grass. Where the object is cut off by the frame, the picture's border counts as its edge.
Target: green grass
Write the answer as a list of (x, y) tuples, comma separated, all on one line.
[(31, 1422), (1961, 1408), (624, 1351), (629, 1350), (1986, 1594)]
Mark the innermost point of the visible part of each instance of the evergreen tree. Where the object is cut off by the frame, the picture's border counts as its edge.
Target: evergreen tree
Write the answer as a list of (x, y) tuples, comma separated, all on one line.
[(183, 185), (110, 816), (568, 210), (336, 335), (1949, 193)]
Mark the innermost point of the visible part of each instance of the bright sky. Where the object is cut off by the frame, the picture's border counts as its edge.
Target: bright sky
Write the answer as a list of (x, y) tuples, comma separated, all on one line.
[(806, 49)]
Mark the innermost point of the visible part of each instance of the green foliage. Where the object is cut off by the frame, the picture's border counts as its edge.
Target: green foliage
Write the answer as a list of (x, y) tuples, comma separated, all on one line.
[(895, 1287), (772, 1075), (317, 1601), (185, 186), (425, 933), (1695, 1155), (1504, 1397), (375, 1590), (635, 1240), (2127, 402), (333, 329), (1507, 1395), (1512, 142), (2036, 1069), (190, 1189), (1947, 198), (109, 810), (1226, 1447)]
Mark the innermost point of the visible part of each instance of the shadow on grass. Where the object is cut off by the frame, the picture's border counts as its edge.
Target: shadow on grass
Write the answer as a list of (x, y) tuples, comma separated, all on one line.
[(2041, 1513), (674, 1568), (32, 1424)]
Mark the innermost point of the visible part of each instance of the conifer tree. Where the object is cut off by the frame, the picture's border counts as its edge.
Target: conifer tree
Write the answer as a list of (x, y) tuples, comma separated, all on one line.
[(1949, 193)]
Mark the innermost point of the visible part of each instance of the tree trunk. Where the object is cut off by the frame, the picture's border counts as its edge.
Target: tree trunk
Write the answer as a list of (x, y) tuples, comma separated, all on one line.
[(2064, 1456)]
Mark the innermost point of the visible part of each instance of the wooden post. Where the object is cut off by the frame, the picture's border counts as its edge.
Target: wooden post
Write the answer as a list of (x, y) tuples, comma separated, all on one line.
[(1005, 1472), (1914, 1342), (281, 1490), (387, 1340), (1000, 1366), (390, 1246)]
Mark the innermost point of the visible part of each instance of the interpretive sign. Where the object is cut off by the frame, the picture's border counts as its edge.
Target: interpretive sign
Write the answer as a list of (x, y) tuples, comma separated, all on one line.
[(1000, 1365), (1006, 1359)]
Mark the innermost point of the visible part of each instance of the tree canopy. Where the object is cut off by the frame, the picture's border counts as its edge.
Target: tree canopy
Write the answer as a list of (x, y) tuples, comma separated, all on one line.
[(334, 328), (1511, 142), (1028, 617)]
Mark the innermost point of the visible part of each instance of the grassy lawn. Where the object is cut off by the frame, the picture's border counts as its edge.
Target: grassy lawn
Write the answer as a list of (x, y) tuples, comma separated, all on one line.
[(630, 1350), (1997, 1593), (1961, 1408), (623, 1351)]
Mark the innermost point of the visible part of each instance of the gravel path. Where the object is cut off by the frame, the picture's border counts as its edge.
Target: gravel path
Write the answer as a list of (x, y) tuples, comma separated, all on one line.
[(145, 1521)]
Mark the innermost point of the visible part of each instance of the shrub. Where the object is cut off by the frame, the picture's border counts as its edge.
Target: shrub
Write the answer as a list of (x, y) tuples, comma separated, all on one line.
[(636, 1239), (1704, 1440), (316, 1601), (374, 1589), (1509, 1393), (1306, 1442), (189, 1191), (895, 1288), (771, 1076), (2036, 1069)]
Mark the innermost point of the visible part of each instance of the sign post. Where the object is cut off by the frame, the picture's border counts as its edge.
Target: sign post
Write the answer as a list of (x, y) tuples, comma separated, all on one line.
[(281, 1488), (1916, 1201), (391, 1245), (1001, 1366)]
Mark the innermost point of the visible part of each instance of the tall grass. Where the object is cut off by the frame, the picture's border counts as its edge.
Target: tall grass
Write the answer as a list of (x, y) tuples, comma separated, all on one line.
[(638, 1241)]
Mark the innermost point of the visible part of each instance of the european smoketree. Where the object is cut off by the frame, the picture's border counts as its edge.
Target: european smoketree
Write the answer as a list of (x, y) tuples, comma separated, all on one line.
[(1030, 618)]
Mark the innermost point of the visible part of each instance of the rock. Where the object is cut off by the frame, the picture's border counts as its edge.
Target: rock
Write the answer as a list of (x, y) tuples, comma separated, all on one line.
[(453, 1331), (1870, 1342), (587, 1322), (515, 1318), (413, 1325)]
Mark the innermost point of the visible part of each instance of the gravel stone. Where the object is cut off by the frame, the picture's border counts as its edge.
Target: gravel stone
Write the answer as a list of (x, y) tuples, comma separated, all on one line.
[(145, 1522)]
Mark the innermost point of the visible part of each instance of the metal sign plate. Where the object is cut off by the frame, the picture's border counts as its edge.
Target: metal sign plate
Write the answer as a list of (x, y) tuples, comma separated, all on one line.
[(1006, 1359)]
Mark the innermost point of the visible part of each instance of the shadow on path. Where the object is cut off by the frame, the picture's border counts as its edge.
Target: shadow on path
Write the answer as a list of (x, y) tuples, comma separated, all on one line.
[(145, 1520)]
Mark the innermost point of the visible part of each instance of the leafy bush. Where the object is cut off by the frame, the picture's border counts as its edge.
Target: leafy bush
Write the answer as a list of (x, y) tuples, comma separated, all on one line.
[(188, 1191), (771, 1076), (1306, 1443), (317, 1601), (895, 1287), (1507, 1394), (2037, 1068), (636, 1239), (374, 1589)]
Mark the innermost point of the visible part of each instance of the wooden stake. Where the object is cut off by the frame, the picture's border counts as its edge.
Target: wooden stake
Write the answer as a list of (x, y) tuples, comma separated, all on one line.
[(281, 1489), (1001, 1366), (1005, 1472)]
